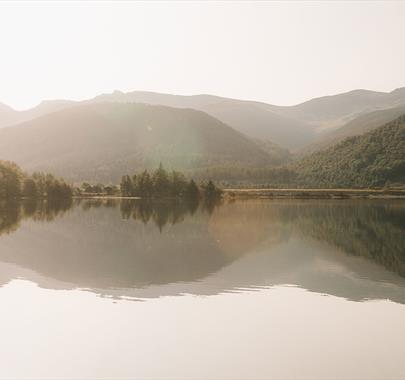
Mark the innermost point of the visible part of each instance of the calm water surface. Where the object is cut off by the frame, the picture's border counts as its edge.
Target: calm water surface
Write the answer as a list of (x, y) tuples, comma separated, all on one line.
[(249, 289)]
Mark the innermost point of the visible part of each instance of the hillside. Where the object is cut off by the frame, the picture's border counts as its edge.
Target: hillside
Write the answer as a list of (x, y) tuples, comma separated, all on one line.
[(104, 140), (376, 158)]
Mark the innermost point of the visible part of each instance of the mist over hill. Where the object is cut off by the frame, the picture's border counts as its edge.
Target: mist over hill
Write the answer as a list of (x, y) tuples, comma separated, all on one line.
[(293, 127), (255, 119), (10, 116), (357, 126), (337, 110), (102, 141)]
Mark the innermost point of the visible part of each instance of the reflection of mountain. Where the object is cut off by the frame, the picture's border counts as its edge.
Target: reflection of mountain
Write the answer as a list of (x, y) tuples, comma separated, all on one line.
[(99, 247), (374, 230), (303, 263), (149, 250)]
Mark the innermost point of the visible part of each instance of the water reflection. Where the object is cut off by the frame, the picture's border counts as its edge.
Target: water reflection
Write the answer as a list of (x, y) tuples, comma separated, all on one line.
[(11, 213), (350, 249)]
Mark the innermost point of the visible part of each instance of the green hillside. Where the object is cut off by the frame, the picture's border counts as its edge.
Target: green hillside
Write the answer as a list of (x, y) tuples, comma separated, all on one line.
[(376, 158)]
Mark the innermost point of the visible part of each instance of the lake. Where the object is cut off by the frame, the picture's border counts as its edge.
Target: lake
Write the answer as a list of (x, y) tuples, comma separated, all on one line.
[(258, 289)]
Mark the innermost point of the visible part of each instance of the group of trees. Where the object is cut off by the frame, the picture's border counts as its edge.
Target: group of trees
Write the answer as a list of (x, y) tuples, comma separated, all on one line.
[(162, 184), (41, 185), (16, 184), (98, 189), (235, 176)]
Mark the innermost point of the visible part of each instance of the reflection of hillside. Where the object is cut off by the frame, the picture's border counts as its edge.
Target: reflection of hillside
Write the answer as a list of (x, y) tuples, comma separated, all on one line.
[(97, 247), (371, 229), (317, 268), (374, 230), (301, 263), (140, 249), (240, 227)]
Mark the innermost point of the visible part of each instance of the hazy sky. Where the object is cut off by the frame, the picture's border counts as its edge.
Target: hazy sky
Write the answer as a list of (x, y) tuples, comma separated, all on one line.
[(281, 53)]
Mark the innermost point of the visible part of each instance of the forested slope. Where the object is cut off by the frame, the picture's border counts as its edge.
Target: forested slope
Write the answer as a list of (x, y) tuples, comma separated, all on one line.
[(376, 158)]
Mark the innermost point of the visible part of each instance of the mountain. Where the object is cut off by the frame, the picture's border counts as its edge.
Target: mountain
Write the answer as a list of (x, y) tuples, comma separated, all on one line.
[(9, 116), (258, 121), (102, 141), (357, 126), (255, 119), (294, 127), (375, 158), (337, 110), (277, 123)]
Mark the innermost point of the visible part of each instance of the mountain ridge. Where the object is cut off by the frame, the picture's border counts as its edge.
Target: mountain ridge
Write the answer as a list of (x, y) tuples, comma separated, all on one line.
[(293, 127), (102, 141)]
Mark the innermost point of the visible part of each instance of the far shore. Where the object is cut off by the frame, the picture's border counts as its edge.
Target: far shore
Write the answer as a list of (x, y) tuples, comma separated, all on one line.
[(284, 193), (315, 193)]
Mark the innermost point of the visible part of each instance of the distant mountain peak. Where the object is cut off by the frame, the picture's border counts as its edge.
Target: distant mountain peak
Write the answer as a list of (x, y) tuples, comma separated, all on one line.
[(399, 90), (6, 108), (293, 127)]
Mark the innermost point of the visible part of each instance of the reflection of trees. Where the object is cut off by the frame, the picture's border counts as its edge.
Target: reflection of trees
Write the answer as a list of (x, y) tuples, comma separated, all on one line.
[(97, 249), (87, 204), (369, 229), (10, 216), (162, 213), (46, 210), (11, 213)]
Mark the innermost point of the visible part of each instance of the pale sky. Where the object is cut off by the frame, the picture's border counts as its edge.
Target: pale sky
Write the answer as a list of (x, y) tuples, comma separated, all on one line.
[(278, 52)]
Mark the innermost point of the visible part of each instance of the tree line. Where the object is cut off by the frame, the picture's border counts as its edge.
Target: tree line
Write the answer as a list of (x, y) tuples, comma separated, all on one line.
[(163, 184), (156, 184), (15, 184)]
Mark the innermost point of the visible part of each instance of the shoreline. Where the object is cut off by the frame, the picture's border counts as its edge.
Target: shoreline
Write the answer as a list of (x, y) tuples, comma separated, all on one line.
[(285, 193), (316, 193)]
